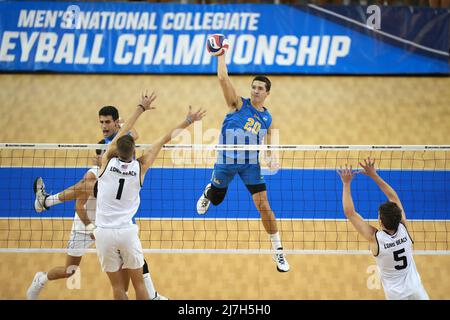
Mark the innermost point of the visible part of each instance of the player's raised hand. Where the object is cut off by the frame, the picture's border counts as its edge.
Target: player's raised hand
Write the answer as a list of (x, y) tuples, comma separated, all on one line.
[(346, 173), (273, 163), (195, 116), (147, 100), (369, 167)]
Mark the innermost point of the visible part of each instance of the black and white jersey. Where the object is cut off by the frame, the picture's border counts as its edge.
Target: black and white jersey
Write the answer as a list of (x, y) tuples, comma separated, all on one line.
[(118, 194), (396, 264)]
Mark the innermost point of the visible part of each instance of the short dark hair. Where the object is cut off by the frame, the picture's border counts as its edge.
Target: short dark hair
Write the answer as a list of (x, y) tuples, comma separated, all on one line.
[(109, 111), (100, 151), (390, 215), (265, 80), (125, 147)]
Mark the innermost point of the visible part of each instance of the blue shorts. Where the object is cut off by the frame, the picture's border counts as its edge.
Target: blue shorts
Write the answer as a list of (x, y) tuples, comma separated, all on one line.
[(223, 174)]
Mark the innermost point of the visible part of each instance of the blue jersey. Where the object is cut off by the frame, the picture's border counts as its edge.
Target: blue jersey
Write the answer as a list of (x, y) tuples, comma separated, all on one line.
[(109, 139), (246, 126)]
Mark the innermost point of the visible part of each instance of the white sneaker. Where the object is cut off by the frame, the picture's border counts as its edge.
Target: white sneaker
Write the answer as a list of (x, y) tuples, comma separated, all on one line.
[(280, 259), (41, 195), (203, 203), (35, 287), (159, 297)]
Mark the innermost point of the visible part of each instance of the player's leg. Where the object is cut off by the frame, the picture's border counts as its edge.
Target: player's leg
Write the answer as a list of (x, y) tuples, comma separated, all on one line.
[(270, 225), (43, 200), (126, 281), (106, 241), (116, 280), (132, 256), (216, 190), (152, 293), (138, 284), (72, 264), (41, 278), (77, 244), (255, 183)]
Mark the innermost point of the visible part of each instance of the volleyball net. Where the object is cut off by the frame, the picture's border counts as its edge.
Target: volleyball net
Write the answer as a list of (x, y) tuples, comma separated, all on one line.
[(305, 195)]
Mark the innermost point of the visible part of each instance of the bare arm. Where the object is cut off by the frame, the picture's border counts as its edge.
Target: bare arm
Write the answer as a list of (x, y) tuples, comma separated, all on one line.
[(134, 134), (81, 201), (144, 105), (391, 194), (363, 228), (232, 99), (132, 131), (151, 153), (273, 158)]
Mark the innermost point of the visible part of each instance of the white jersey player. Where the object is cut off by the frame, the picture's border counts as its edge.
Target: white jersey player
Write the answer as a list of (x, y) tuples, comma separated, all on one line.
[(120, 179), (397, 267), (81, 237), (392, 245), (118, 193), (83, 193)]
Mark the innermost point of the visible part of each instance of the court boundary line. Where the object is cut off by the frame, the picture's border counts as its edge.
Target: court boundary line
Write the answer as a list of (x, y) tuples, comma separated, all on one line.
[(218, 219), (224, 251)]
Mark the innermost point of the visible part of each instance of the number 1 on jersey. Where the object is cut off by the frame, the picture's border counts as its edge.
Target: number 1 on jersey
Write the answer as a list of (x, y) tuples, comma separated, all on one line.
[(119, 192)]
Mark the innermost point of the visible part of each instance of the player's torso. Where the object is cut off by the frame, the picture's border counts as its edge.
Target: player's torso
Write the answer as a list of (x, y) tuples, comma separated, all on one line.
[(396, 263), (118, 193), (246, 125)]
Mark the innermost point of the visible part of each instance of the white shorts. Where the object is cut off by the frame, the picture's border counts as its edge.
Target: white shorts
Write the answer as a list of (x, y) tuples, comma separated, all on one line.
[(78, 243), (419, 294), (118, 248)]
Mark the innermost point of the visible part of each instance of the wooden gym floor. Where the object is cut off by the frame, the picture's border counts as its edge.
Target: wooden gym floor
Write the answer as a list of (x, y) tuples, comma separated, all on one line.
[(308, 110)]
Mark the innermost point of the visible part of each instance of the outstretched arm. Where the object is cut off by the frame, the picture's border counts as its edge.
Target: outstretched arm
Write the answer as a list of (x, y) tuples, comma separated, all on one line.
[(144, 105), (369, 169), (232, 99), (272, 156), (82, 198), (132, 132), (151, 153), (363, 228)]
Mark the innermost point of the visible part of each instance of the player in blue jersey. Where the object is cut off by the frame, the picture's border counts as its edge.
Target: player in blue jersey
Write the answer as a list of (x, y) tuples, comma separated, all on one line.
[(83, 194), (247, 122)]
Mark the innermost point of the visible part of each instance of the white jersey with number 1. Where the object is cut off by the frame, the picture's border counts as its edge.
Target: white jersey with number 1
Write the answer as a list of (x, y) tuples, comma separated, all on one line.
[(397, 268), (118, 194)]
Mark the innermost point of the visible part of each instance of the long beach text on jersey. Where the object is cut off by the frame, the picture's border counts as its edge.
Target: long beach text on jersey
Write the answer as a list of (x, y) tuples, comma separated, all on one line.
[(397, 242), (125, 173)]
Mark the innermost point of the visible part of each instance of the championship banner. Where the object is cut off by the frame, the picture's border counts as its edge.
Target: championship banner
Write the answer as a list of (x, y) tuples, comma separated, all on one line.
[(149, 38)]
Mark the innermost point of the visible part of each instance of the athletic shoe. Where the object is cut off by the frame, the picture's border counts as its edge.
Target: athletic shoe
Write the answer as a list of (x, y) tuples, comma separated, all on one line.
[(40, 195), (35, 287), (159, 297), (203, 203), (280, 259)]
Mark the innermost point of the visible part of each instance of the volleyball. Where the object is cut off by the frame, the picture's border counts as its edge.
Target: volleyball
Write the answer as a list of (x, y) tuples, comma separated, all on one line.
[(217, 44)]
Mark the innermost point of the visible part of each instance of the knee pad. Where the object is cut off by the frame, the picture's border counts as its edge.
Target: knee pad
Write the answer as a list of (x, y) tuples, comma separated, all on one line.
[(145, 267), (216, 195), (256, 188)]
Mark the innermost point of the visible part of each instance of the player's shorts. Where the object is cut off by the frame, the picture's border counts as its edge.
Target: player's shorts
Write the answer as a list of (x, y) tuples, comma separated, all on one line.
[(78, 243), (223, 174), (118, 248), (419, 294)]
